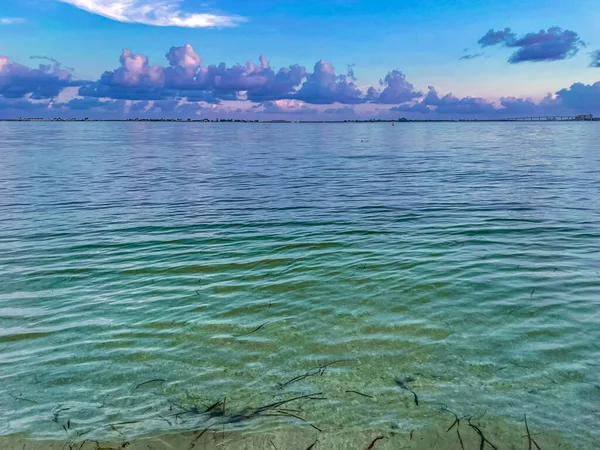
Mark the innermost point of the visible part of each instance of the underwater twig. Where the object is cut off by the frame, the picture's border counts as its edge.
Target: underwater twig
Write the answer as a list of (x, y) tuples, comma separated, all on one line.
[(166, 420), (480, 416), (215, 405), (273, 410), (375, 441), (457, 423), (484, 440), (283, 402), (19, 397), (316, 371), (193, 443), (155, 380), (360, 393), (406, 387), (56, 414), (299, 418), (311, 446), (529, 438), (253, 331), (416, 398)]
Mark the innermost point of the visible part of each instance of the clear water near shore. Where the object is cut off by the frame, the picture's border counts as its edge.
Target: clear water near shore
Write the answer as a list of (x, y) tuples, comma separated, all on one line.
[(462, 260)]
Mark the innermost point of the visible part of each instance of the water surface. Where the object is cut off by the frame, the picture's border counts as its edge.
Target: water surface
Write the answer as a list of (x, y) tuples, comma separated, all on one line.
[(457, 261)]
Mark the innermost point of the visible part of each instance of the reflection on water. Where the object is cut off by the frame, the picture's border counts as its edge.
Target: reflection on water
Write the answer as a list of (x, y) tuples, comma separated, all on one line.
[(152, 271)]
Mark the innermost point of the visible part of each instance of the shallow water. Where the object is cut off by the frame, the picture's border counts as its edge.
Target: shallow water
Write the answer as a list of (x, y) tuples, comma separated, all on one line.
[(464, 258)]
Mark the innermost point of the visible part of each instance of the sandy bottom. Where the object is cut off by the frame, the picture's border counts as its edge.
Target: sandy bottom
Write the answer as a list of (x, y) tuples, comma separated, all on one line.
[(429, 438)]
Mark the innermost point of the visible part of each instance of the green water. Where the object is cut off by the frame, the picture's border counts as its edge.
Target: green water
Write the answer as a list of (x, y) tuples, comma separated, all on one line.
[(225, 260)]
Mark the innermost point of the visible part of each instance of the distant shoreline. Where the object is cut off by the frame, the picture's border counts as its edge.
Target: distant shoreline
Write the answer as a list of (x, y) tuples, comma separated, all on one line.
[(526, 120)]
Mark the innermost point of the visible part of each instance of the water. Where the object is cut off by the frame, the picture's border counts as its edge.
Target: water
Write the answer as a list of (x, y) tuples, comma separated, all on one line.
[(464, 258)]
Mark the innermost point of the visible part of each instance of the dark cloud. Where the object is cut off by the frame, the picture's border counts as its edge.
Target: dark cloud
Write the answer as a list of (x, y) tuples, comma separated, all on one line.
[(449, 104), (581, 98), (519, 107), (497, 37), (553, 44), (396, 89), (323, 86), (471, 56), (21, 104), (18, 81), (595, 59)]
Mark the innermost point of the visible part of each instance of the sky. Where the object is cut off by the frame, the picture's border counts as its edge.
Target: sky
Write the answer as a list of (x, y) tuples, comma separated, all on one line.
[(299, 59)]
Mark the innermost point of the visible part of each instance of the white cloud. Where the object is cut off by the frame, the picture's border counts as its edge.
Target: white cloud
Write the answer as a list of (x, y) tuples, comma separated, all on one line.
[(161, 13), (11, 20)]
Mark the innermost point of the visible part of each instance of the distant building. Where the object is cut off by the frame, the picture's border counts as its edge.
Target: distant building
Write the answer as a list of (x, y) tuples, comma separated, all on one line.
[(584, 117)]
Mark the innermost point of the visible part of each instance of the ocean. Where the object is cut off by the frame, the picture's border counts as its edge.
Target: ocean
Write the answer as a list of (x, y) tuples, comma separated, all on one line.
[(166, 278)]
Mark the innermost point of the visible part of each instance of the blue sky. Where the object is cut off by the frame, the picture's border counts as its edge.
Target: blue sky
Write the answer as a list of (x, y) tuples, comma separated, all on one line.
[(422, 38)]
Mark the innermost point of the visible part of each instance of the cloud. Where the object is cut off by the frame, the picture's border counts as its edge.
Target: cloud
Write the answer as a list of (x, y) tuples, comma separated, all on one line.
[(471, 56), (396, 89), (323, 86), (87, 103), (555, 44), (520, 107), (595, 59), (161, 13), (497, 37), (11, 20), (21, 104), (581, 98), (345, 111), (185, 76), (449, 104), (18, 81), (185, 87), (287, 107)]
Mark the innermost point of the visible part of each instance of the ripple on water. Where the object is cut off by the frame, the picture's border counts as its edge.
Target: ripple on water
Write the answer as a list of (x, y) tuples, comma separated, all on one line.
[(463, 257)]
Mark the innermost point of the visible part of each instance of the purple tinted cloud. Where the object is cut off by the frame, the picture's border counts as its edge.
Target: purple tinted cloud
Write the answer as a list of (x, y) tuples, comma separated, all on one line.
[(186, 77), (323, 86), (580, 97), (345, 111), (449, 104), (184, 87), (396, 89), (18, 81), (287, 107), (86, 103), (21, 104), (553, 44), (497, 37)]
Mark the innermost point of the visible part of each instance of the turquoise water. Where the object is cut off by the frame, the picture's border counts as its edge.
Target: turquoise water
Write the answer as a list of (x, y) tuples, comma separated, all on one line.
[(457, 261)]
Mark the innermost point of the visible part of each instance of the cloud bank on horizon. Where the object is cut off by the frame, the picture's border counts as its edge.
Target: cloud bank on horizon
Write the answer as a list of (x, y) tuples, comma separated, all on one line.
[(185, 87), (162, 13)]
